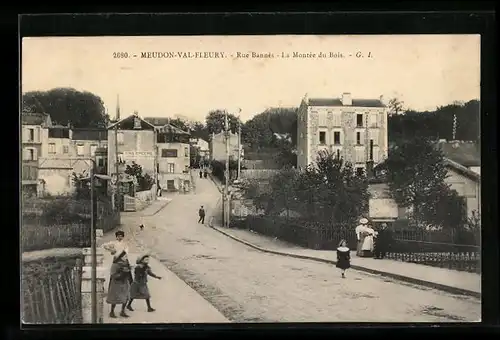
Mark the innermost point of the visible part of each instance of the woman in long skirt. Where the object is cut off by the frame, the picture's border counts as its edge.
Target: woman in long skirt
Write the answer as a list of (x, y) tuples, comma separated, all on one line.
[(119, 284), (139, 288), (343, 257)]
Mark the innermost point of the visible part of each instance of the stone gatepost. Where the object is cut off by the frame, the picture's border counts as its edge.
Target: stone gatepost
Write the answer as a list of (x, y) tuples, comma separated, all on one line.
[(87, 284)]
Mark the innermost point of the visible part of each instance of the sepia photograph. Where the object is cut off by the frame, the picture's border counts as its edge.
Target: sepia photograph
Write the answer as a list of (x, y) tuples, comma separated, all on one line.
[(253, 178)]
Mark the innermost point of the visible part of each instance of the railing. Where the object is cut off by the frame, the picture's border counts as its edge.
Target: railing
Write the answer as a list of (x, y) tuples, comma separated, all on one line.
[(444, 255), (445, 249), (51, 291)]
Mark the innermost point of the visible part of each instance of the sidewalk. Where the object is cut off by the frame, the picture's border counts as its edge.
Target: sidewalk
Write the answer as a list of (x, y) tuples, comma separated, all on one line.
[(452, 281), (173, 299), (155, 207)]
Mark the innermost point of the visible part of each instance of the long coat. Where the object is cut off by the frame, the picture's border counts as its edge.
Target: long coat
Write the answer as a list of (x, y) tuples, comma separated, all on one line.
[(119, 283), (368, 240), (139, 288)]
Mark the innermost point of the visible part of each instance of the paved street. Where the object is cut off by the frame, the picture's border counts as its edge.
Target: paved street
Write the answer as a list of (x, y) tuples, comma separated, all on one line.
[(250, 286)]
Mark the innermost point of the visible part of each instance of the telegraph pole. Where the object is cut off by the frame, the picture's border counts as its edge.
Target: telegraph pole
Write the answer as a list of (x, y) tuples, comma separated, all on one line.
[(117, 165), (93, 241), (226, 174), (239, 145)]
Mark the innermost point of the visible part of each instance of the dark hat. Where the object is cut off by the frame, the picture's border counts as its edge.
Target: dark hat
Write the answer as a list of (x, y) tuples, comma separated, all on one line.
[(119, 232)]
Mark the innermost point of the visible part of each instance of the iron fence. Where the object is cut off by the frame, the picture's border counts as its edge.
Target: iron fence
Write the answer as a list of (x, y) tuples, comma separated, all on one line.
[(457, 250), (463, 257), (51, 291)]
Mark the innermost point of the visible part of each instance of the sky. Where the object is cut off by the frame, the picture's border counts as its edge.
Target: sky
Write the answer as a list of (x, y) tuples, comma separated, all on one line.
[(424, 71)]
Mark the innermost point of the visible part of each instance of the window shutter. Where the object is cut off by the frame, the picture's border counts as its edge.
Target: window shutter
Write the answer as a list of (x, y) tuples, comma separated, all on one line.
[(25, 134), (25, 154), (35, 154), (37, 134)]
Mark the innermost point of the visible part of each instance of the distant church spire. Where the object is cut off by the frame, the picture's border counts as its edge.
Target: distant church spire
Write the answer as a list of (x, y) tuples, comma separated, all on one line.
[(117, 107)]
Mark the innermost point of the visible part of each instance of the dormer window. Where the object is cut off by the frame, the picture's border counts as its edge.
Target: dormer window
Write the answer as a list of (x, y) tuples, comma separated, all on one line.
[(137, 123)]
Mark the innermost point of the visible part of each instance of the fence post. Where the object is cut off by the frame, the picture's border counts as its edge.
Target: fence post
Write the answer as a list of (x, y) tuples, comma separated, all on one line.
[(86, 291)]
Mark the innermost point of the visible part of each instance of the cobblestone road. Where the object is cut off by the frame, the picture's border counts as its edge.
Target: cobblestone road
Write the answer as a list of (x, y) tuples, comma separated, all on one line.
[(250, 286)]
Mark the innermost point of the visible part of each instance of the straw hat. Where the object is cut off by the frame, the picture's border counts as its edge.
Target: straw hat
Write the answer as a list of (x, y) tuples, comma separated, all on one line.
[(363, 221), (140, 258)]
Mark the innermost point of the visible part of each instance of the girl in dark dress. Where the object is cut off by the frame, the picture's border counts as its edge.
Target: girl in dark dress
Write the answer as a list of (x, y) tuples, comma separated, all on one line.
[(343, 257), (139, 288), (119, 284)]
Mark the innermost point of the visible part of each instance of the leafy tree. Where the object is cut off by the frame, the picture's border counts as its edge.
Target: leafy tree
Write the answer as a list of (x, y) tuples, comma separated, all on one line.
[(258, 132), (67, 106), (194, 156), (337, 193), (395, 107), (215, 122), (416, 174), (328, 192), (144, 181)]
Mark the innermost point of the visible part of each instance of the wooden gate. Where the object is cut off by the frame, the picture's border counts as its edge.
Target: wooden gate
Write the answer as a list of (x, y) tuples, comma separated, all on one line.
[(129, 203)]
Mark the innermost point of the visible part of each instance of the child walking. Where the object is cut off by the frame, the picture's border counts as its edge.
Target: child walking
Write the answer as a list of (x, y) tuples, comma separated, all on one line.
[(343, 257), (139, 288)]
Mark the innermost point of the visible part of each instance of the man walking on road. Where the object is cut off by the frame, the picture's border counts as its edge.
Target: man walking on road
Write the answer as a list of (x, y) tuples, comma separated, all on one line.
[(201, 213)]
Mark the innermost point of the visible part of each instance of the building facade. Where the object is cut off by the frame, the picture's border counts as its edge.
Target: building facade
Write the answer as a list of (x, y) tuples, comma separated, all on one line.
[(467, 183), (203, 147), (136, 139), (354, 129), (218, 146), (33, 130), (173, 158)]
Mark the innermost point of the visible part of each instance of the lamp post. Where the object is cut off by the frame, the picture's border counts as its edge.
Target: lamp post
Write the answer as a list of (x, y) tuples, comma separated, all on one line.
[(226, 173)]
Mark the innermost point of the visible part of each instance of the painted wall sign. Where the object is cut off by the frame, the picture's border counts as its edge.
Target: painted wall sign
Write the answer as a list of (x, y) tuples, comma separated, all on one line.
[(130, 155)]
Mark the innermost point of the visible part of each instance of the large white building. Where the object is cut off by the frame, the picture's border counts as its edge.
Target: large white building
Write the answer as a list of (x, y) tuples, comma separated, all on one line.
[(354, 129)]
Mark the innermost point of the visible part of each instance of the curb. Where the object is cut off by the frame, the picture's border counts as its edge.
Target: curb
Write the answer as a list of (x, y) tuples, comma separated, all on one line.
[(449, 289), (160, 209)]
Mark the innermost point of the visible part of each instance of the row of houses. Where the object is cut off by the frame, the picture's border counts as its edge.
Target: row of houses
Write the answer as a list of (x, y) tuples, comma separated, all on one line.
[(52, 153)]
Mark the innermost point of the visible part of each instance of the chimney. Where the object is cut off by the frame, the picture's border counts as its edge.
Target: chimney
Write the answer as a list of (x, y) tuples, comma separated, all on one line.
[(346, 99)]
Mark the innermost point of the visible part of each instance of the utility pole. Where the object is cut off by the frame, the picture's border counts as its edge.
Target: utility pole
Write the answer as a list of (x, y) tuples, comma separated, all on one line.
[(239, 145), (226, 175), (117, 165), (93, 241)]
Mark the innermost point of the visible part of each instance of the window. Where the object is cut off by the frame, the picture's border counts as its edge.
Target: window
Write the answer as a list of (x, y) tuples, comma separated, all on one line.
[(358, 138), (93, 147), (65, 149), (52, 148), (120, 138), (31, 135), (338, 154), (336, 137), (171, 168), (322, 137), (371, 150), (169, 153), (360, 171), (337, 119), (374, 136), (186, 152), (29, 154), (100, 162), (360, 155), (359, 120), (322, 119), (373, 120), (80, 150)]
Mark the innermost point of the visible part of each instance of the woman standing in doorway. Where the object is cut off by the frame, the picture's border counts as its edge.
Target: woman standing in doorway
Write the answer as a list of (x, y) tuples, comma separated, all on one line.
[(343, 257)]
